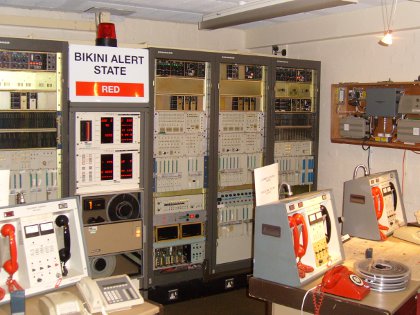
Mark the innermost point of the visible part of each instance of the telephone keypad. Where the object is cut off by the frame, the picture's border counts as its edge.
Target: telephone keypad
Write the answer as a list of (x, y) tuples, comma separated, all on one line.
[(319, 241), (40, 241)]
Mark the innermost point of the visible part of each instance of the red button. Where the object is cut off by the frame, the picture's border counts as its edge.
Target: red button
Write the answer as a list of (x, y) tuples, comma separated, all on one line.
[(109, 89)]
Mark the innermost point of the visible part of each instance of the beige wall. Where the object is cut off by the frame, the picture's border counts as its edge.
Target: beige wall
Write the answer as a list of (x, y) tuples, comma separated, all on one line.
[(354, 57)]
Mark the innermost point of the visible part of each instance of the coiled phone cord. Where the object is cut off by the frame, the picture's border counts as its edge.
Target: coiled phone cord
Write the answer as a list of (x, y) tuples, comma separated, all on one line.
[(317, 306)]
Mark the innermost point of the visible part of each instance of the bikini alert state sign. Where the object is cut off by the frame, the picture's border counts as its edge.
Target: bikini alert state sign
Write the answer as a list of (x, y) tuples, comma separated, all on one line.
[(108, 74)]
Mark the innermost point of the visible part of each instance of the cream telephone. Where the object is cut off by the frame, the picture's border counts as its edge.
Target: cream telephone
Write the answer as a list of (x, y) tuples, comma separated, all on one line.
[(109, 294), (63, 302)]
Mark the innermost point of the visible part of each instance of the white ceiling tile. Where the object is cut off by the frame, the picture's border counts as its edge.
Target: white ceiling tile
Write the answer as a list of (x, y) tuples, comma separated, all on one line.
[(182, 11)]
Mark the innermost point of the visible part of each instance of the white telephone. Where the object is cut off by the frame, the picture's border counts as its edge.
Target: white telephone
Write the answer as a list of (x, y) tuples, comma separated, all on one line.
[(58, 303), (109, 294)]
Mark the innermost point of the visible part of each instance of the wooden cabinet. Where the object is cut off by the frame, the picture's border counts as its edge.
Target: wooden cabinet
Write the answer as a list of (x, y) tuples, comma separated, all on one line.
[(382, 114)]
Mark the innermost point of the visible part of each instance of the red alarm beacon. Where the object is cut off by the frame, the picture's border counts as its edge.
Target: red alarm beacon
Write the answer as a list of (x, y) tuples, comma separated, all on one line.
[(105, 35)]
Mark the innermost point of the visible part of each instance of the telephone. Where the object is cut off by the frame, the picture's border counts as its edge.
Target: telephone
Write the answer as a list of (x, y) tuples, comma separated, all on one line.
[(378, 202), (11, 265), (63, 302), (64, 253), (373, 206), (296, 221), (327, 222), (296, 239), (341, 281), (110, 294)]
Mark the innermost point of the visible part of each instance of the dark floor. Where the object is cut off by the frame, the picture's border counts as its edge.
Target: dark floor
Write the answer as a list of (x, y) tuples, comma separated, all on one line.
[(236, 302)]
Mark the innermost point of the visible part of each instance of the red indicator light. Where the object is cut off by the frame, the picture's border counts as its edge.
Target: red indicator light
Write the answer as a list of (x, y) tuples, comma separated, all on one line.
[(9, 214), (192, 216), (105, 35)]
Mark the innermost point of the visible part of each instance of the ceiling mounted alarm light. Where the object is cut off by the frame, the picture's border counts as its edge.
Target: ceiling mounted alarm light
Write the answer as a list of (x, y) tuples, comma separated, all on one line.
[(105, 35), (263, 10)]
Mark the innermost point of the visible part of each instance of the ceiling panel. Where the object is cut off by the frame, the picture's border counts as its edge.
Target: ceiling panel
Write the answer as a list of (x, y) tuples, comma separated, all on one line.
[(181, 11)]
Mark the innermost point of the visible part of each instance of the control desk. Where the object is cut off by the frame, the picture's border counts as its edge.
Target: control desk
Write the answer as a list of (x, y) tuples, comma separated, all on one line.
[(282, 299)]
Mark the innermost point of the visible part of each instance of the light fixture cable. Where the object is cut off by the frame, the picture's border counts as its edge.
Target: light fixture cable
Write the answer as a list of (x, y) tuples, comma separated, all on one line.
[(388, 18)]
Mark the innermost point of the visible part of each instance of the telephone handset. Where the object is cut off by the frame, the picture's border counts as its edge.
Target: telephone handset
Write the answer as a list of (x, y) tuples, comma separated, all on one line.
[(341, 281), (327, 221), (295, 234), (109, 294), (64, 253), (300, 221), (394, 194), (296, 221), (378, 202), (11, 265)]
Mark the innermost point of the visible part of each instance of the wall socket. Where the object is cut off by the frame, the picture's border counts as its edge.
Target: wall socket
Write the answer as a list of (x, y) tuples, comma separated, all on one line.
[(173, 295), (229, 283)]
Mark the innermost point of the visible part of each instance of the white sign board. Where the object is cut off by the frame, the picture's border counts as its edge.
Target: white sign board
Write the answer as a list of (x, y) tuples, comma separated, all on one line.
[(4, 190), (266, 184), (108, 74)]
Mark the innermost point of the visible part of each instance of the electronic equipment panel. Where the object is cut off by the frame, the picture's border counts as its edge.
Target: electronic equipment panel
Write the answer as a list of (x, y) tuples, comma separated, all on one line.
[(373, 207), (111, 207), (31, 122), (381, 114), (107, 151), (235, 219), (241, 146), (109, 160), (297, 239), (295, 125), (117, 216), (180, 167), (42, 247)]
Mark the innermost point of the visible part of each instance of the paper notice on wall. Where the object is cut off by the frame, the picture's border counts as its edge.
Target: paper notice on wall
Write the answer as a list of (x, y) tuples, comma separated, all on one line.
[(266, 184), (4, 187)]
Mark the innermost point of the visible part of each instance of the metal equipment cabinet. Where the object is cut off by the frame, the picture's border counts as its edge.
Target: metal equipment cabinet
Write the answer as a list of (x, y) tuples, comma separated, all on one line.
[(294, 119), (33, 111), (217, 117)]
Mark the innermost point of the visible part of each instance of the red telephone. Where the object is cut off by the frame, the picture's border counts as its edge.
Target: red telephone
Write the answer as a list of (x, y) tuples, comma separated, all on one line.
[(296, 221), (342, 282), (295, 233), (11, 265), (378, 202)]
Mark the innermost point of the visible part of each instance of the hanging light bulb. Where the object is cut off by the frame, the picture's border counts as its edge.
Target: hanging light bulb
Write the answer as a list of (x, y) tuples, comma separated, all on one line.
[(387, 17), (386, 40)]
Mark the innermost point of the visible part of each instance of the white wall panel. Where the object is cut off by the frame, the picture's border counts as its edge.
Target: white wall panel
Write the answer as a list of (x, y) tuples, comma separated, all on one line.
[(361, 59)]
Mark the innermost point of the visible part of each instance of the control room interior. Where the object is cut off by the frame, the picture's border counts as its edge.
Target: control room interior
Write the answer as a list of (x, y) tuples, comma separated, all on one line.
[(341, 44)]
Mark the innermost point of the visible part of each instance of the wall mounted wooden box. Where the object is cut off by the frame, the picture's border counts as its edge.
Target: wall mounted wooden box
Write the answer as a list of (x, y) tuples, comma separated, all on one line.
[(353, 101)]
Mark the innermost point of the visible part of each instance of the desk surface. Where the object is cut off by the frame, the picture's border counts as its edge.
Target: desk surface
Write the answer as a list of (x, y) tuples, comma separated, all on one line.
[(374, 303), (31, 306), (392, 249)]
